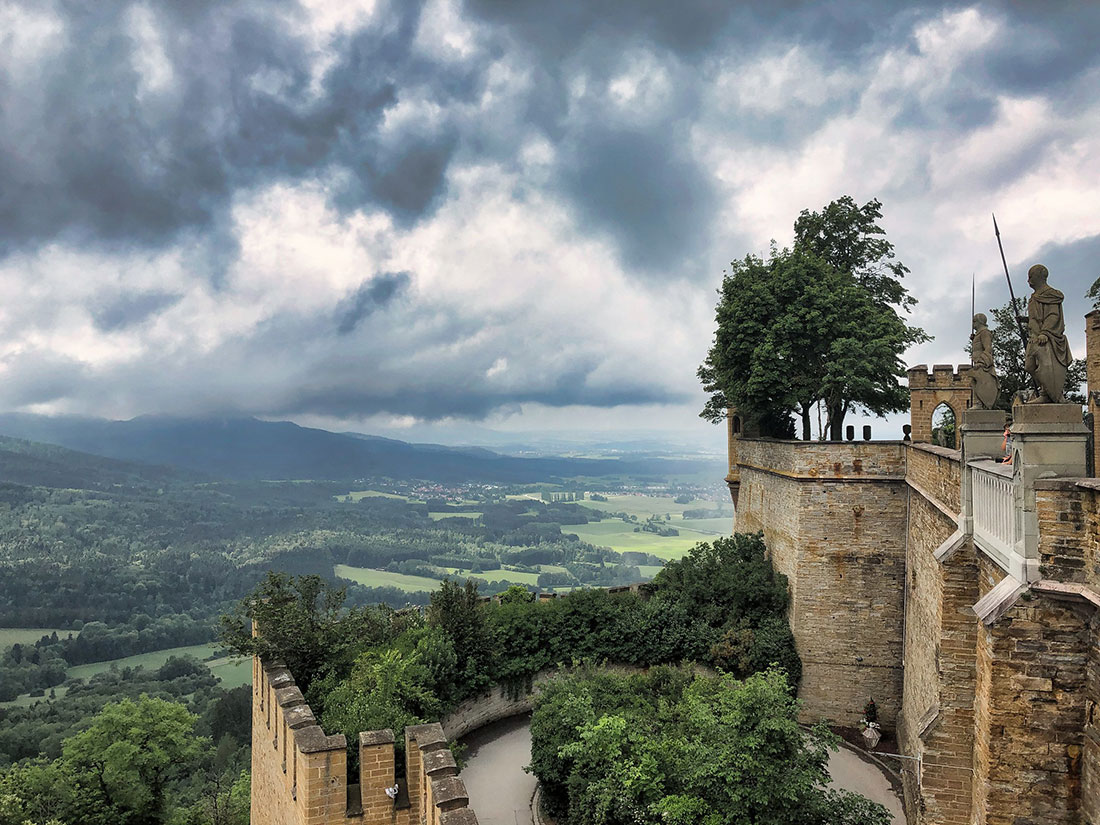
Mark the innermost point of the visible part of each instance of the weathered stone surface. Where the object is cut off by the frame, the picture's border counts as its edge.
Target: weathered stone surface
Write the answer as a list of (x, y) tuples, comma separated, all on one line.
[(833, 517), (927, 390)]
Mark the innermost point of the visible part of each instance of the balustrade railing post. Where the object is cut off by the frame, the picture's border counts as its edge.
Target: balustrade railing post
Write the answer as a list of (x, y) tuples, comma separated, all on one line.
[(982, 434)]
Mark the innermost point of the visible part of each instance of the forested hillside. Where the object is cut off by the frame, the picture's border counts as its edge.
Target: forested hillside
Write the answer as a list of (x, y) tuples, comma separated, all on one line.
[(103, 559)]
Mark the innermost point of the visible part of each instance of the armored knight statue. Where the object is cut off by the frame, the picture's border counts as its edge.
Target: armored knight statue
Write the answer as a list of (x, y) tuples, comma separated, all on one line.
[(1047, 356), (983, 377)]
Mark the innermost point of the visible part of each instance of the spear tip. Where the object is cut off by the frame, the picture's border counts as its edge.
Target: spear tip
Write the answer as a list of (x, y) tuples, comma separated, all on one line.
[(995, 227)]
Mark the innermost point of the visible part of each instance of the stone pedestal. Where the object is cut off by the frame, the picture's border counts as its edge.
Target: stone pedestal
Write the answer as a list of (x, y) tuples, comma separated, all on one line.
[(983, 432), (1049, 441)]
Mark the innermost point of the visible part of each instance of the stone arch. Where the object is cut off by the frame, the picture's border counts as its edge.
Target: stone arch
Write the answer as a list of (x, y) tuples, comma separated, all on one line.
[(944, 384), (947, 421)]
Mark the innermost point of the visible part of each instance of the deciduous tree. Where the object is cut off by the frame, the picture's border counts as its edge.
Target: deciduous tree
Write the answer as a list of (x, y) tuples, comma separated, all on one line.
[(816, 322)]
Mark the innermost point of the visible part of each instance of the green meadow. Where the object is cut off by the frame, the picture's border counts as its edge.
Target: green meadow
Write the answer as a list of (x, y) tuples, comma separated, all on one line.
[(356, 495), (232, 671), (369, 577), (620, 536), (707, 526), (645, 506), (27, 635), (150, 661)]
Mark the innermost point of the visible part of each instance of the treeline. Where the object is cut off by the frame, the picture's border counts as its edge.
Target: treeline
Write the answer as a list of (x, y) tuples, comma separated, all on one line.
[(35, 668), (142, 760)]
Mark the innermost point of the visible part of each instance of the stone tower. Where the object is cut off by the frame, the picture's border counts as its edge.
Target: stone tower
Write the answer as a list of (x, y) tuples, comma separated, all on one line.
[(927, 390)]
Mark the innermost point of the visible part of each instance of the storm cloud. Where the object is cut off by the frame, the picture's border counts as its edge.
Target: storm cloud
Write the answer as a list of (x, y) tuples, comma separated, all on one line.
[(427, 209)]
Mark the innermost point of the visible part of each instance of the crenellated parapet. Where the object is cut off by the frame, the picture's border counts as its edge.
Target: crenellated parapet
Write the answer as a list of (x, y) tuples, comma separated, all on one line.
[(300, 773)]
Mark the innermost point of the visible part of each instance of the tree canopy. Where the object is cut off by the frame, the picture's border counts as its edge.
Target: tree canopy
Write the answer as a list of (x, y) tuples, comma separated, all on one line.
[(131, 765), (818, 322), (672, 747)]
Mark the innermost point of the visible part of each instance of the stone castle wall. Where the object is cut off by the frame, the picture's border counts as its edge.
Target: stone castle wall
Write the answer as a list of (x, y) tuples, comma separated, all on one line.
[(995, 710), (300, 776), (833, 517), (937, 721), (943, 384)]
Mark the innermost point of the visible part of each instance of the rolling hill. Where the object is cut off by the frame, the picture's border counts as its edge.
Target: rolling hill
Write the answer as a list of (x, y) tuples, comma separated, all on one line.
[(249, 448)]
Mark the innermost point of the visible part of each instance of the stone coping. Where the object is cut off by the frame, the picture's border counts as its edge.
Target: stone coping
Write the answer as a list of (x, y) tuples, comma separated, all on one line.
[(798, 442), (936, 449), (988, 465), (375, 737), (306, 732)]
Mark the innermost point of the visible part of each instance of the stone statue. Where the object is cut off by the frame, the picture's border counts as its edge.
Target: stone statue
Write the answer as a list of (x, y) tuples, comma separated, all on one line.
[(983, 379), (1047, 355)]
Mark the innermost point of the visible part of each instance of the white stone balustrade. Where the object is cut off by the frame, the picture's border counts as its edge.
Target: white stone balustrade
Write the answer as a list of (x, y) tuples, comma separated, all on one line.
[(995, 514)]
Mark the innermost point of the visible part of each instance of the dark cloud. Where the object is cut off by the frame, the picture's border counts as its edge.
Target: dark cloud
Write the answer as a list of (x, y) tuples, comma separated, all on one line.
[(121, 311), (92, 156), (372, 295), (559, 28), (39, 377), (1041, 47), (1072, 269), (88, 154), (641, 188), (695, 29), (417, 358)]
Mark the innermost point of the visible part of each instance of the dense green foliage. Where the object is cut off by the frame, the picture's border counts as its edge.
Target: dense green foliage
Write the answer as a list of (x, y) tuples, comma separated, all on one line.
[(673, 747), (723, 604), (815, 323), (138, 762), (133, 569)]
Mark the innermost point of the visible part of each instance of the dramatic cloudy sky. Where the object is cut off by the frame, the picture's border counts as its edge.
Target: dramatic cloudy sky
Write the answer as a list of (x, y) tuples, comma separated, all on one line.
[(513, 212)]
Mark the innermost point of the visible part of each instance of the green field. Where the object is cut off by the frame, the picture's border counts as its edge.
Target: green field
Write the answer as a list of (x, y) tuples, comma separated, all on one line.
[(27, 635), (648, 571), (439, 516), (231, 670), (356, 495), (708, 526), (26, 700), (645, 506), (620, 536), (369, 577), (513, 576), (150, 661)]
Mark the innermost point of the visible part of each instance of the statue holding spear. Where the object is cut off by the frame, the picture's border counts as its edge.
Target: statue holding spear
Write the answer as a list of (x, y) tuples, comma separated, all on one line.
[(1046, 349)]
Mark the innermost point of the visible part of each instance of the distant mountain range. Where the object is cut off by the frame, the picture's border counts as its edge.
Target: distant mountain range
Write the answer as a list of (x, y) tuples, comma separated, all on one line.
[(48, 465), (248, 448)]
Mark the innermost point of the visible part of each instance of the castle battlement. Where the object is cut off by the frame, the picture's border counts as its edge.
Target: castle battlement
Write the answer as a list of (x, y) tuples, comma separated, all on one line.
[(300, 773), (940, 376)]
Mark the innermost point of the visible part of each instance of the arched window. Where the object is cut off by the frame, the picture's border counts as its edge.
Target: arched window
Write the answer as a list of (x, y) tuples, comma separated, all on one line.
[(944, 426)]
